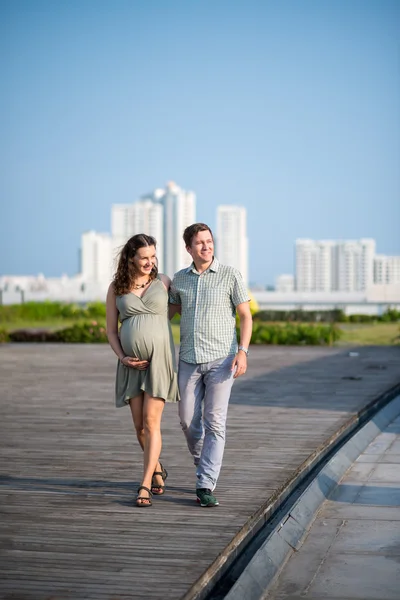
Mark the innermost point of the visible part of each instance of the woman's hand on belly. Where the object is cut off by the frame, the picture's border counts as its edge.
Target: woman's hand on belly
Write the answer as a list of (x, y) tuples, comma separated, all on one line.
[(135, 363)]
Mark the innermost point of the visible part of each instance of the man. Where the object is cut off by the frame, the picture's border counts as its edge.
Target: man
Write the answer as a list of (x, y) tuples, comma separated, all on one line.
[(208, 294)]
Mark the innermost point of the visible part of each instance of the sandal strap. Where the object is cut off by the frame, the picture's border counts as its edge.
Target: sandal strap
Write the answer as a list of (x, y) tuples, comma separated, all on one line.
[(142, 487), (158, 473), (164, 473)]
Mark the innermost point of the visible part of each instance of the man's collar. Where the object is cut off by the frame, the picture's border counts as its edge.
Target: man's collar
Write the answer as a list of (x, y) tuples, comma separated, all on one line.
[(213, 267)]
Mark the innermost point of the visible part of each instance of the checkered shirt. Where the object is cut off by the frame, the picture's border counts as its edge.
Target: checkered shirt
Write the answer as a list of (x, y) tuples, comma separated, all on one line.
[(208, 301)]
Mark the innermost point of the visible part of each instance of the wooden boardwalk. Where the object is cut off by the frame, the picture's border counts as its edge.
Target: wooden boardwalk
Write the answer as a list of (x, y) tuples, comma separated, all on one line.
[(70, 466)]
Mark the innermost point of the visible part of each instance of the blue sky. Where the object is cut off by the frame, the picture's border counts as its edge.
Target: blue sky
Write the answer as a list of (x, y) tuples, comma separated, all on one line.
[(290, 108)]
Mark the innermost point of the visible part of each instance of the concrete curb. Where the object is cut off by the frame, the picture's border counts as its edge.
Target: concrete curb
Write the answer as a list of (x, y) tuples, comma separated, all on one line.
[(288, 535), (216, 571)]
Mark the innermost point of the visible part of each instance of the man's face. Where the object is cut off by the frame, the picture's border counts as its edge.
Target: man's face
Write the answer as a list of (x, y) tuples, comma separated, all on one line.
[(202, 248)]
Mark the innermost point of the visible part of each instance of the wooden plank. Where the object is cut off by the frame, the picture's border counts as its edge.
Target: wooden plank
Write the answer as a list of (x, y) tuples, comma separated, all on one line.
[(70, 465)]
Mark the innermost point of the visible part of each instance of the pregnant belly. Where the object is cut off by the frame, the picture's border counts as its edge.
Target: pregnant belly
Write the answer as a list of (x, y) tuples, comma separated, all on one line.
[(139, 335)]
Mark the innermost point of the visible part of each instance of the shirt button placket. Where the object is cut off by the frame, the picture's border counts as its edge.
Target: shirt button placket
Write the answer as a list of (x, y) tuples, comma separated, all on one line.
[(196, 319)]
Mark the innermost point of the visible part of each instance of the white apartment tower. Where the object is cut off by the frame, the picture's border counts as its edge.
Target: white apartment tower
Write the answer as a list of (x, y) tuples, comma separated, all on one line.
[(231, 239), (163, 214), (179, 211), (386, 269), (121, 223), (325, 266), (355, 265), (314, 266), (144, 216), (96, 258)]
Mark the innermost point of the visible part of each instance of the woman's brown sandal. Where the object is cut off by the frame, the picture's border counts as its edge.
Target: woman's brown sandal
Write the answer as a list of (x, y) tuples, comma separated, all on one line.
[(139, 499), (156, 489)]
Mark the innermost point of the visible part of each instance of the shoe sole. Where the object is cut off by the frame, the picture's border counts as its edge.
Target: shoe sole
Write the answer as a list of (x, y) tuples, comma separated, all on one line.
[(207, 505)]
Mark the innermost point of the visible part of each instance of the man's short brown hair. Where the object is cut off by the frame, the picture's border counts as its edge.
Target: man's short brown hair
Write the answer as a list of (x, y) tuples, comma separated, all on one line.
[(193, 230)]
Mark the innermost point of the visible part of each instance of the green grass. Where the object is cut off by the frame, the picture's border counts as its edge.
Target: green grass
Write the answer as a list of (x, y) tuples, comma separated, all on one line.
[(52, 324), (379, 334)]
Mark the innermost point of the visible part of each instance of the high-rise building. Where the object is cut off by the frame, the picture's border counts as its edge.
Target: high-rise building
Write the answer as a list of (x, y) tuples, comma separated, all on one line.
[(144, 216), (315, 269), (96, 258), (386, 269), (179, 211), (147, 217), (355, 265), (121, 222), (324, 266), (231, 238), (164, 214)]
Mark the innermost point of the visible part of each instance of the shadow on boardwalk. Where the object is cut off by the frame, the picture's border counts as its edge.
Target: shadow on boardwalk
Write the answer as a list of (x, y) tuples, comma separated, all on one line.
[(324, 382)]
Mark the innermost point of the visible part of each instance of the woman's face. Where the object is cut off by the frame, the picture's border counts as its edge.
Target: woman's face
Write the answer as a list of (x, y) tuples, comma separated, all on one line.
[(144, 260)]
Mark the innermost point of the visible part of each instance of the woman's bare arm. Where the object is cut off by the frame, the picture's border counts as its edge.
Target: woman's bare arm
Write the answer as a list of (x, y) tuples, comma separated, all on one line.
[(112, 323), (113, 337), (172, 308)]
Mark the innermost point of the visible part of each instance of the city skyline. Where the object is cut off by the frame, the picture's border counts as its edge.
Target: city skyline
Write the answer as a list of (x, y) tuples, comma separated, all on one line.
[(163, 214), (289, 109)]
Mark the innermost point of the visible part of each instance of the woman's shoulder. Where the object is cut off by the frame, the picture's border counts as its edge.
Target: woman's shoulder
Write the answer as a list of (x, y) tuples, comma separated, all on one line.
[(111, 289), (112, 293), (164, 279)]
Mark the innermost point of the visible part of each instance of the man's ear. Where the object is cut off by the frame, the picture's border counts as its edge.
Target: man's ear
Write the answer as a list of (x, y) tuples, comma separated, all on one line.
[(189, 250)]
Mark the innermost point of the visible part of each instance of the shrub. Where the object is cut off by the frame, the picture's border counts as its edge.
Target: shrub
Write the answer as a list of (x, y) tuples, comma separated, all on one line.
[(71, 311), (83, 333), (4, 336), (303, 316), (33, 335), (391, 315), (361, 318), (294, 334), (96, 310)]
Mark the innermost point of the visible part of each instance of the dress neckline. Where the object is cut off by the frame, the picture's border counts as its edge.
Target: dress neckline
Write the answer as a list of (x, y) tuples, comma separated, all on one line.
[(145, 291)]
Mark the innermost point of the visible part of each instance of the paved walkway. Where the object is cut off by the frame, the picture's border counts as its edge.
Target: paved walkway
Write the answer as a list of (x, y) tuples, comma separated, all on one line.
[(352, 551), (70, 466)]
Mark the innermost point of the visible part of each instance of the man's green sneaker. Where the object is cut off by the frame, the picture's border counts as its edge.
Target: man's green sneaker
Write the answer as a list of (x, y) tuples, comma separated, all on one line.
[(206, 497)]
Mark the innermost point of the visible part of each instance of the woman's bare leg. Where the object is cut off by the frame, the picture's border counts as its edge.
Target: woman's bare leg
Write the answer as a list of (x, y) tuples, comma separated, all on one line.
[(136, 406), (152, 413)]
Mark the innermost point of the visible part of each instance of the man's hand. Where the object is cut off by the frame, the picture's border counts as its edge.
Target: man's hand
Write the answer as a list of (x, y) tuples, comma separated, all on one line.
[(239, 364), (135, 363)]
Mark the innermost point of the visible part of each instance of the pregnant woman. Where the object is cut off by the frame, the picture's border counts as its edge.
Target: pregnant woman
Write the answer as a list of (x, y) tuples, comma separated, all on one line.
[(146, 371)]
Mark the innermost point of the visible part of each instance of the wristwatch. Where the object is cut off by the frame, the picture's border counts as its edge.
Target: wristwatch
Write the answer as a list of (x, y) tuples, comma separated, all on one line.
[(245, 350)]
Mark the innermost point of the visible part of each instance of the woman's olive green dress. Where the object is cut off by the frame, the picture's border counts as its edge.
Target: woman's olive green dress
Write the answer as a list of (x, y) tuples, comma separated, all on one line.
[(146, 334)]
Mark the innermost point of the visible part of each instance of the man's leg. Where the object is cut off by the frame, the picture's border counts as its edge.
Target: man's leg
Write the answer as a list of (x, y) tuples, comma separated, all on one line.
[(218, 383), (191, 389)]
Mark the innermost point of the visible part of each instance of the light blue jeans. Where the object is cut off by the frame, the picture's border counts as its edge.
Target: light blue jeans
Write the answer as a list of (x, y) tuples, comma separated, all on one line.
[(205, 390)]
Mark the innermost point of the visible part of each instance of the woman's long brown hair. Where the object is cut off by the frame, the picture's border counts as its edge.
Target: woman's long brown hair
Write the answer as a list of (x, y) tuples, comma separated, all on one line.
[(126, 271)]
